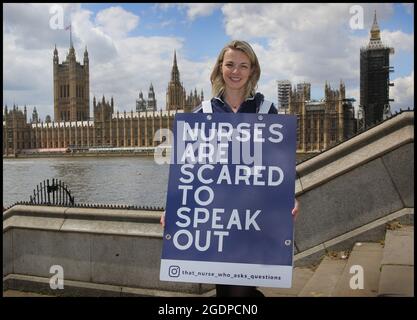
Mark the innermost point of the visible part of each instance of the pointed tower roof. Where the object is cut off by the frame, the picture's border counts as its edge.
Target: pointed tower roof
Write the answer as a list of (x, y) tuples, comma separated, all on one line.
[(85, 54), (71, 53), (56, 58), (375, 40), (175, 74), (375, 26)]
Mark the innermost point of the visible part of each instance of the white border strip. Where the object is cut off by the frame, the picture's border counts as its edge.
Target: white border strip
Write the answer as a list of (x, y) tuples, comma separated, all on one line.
[(247, 274)]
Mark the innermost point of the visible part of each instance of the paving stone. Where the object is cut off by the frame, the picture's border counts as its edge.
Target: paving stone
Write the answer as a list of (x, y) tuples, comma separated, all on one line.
[(324, 279)]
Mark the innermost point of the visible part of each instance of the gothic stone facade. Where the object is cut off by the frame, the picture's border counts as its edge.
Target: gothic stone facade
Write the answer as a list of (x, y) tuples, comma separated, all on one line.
[(127, 129), (71, 88), (72, 125), (321, 124)]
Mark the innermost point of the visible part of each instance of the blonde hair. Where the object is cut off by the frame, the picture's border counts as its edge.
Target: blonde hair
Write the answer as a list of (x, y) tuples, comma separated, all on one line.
[(216, 77)]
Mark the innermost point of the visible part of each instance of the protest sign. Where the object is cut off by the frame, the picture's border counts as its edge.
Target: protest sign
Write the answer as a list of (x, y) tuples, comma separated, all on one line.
[(230, 196)]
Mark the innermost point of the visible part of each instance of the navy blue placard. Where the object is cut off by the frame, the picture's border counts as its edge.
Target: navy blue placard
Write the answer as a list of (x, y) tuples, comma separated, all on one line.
[(249, 220)]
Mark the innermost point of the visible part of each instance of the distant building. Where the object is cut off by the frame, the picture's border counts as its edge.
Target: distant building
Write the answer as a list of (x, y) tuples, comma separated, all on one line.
[(374, 78), (193, 100), (306, 87), (72, 125), (176, 98), (284, 89), (71, 87), (151, 99), (175, 92), (321, 124), (15, 133), (143, 105), (35, 116)]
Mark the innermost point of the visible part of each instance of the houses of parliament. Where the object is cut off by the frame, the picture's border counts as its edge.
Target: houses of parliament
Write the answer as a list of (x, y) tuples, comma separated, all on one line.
[(320, 124), (72, 125)]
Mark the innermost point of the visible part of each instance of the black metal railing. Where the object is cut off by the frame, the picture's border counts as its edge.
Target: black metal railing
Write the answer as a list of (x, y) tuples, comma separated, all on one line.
[(55, 193), (95, 206)]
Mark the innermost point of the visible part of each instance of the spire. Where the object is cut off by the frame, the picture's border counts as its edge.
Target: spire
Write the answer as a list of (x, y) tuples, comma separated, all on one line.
[(175, 74), (56, 59), (375, 40), (375, 29), (85, 55), (71, 53)]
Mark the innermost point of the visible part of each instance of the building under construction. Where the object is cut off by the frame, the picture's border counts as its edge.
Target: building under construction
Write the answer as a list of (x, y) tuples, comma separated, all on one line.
[(374, 78)]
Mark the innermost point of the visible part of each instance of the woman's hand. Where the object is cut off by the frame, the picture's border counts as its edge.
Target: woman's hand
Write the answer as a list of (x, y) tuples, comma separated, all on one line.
[(162, 221), (295, 210)]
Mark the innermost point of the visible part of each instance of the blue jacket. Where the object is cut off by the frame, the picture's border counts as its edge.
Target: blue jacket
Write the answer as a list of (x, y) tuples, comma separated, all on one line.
[(250, 105)]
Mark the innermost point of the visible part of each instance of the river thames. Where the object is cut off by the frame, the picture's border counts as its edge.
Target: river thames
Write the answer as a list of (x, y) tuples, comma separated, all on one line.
[(105, 180)]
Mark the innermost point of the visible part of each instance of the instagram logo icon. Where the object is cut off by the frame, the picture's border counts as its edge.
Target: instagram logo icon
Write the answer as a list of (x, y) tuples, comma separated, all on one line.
[(174, 271)]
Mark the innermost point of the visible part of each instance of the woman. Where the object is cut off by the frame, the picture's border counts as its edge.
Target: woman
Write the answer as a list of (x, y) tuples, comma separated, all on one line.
[(234, 80)]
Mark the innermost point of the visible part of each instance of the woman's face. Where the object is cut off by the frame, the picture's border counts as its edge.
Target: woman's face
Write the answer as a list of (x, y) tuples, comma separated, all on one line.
[(236, 69)]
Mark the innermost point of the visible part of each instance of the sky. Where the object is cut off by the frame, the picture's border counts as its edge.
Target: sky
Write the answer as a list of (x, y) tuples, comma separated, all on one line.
[(131, 46)]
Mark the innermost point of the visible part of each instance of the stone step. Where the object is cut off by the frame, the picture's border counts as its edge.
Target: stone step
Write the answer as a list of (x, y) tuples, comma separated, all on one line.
[(16, 293), (397, 265), (360, 277), (300, 277), (399, 246), (322, 283)]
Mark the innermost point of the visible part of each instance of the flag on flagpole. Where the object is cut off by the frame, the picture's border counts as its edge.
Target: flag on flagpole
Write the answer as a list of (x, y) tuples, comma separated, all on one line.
[(69, 28)]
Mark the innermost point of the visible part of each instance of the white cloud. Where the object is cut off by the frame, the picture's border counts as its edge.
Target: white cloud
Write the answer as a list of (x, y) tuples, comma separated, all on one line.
[(116, 21), (195, 10), (403, 93), (101, 46), (398, 40), (309, 42), (30, 24), (120, 66)]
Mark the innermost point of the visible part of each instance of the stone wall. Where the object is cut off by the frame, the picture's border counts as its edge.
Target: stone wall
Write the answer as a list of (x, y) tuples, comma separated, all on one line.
[(346, 193)]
